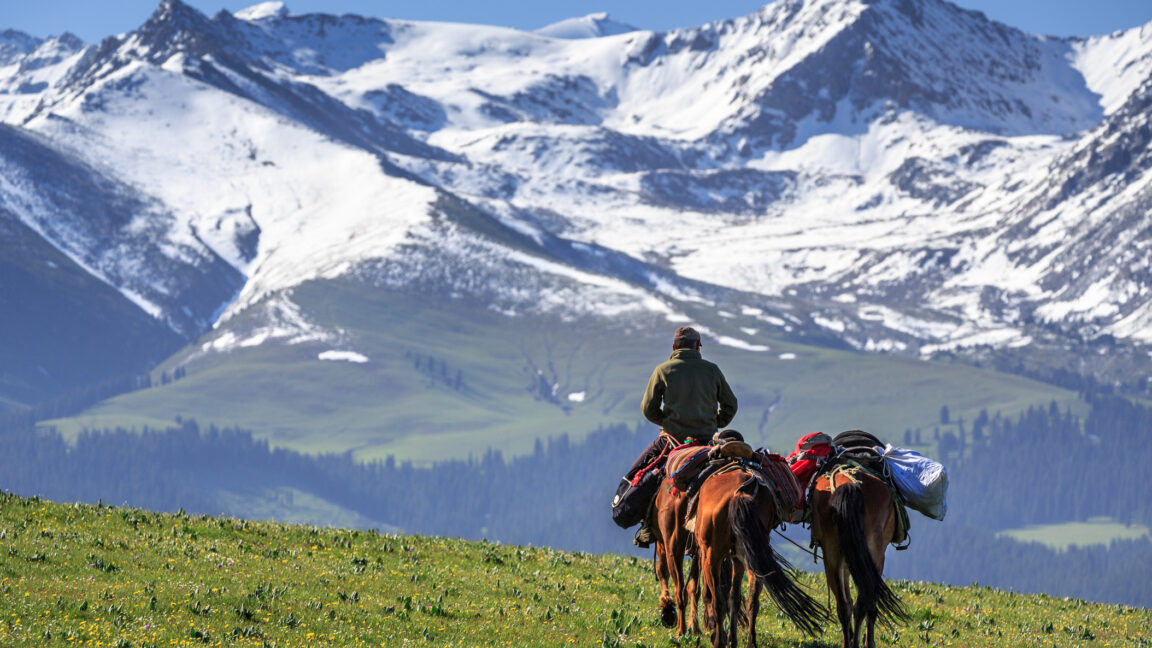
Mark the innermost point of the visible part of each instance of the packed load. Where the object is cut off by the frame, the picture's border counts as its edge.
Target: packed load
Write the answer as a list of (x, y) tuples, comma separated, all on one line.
[(922, 482), (637, 490), (915, 481), (812, 450), (634, 497)]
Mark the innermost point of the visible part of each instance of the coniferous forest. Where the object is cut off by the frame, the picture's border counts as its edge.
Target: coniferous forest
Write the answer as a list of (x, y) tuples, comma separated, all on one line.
[(1044, 467)]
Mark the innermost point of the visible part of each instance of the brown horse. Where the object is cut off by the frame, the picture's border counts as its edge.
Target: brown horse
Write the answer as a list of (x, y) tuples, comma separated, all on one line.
[(735, 515), (854, 518), (672, 540)]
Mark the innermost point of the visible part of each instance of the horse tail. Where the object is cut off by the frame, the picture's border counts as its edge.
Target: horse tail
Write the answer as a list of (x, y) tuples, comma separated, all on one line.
[(771, 570), (873, 593)]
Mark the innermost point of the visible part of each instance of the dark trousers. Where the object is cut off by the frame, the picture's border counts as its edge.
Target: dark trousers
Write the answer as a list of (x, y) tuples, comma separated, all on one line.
[(648, 456)]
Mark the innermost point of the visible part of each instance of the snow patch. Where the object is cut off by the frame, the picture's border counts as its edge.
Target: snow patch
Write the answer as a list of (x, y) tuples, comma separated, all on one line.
[(344, 356), (262, 11), (829, 323), (591, 26), (577, 397), (740, 344)]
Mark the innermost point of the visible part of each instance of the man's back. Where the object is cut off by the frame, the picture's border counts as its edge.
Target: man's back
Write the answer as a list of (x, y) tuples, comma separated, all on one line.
[(688, 396)]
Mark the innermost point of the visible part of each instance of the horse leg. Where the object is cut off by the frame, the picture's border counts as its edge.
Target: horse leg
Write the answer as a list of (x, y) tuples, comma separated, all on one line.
[(754, 588), (867, 618), (667, 605), (693, 594), (675, 551), (877, 543), (860, 615), (735, 604), (723, 600), (710, 570), (836, 573)]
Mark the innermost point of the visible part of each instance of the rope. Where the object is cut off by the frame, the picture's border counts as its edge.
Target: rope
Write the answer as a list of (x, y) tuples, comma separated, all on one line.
[(669, 441), (815, 556)]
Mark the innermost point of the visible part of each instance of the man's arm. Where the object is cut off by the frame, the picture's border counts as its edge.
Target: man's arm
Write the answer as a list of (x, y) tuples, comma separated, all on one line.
[(652, 404), (727, 401)]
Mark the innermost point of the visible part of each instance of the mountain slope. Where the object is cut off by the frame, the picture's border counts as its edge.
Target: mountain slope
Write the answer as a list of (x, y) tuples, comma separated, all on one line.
[(889, 176), (74, 330), (377, 371)]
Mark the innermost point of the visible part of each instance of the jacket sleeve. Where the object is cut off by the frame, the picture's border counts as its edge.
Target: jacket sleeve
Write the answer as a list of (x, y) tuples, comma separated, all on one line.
[(727, 401), (652, 405)]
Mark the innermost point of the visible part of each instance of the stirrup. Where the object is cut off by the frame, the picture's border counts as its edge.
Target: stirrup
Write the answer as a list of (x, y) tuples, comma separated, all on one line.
[(643, 537)]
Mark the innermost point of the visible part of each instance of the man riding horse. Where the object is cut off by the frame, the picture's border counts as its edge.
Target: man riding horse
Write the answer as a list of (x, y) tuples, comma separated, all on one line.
[(688, 397)]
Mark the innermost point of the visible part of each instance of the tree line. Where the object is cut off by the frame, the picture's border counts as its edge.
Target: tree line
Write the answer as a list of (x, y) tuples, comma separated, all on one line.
[(1045, 466)]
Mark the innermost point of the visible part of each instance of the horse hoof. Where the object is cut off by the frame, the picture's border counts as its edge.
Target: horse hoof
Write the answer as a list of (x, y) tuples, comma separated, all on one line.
[(668, 615)]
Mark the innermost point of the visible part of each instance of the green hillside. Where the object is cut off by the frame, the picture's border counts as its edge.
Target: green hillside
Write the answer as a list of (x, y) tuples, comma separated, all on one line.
[(450, 378), (104, 576)]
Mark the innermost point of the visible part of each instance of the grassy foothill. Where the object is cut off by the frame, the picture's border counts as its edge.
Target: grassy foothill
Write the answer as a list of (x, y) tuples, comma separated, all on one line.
[(96, 575), (405, 401)]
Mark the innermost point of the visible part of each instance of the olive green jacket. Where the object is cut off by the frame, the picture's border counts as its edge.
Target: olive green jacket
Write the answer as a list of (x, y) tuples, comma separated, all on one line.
[(688, 397)]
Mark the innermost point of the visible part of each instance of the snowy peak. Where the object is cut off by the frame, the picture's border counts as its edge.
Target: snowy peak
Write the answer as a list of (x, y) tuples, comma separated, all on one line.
[(176, 27), (15, 44), (262, 11), (591, 26), (35, 66), (818, 58)]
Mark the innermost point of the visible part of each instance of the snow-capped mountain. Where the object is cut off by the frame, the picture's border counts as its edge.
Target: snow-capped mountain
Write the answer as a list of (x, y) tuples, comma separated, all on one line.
[(901, 175)]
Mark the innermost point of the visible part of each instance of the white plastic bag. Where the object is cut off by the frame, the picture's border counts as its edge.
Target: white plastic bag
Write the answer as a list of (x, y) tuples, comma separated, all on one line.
[(922, 482)]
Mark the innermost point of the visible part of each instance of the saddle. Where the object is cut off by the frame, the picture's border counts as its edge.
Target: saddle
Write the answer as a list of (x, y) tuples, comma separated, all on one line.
[(771, 470)]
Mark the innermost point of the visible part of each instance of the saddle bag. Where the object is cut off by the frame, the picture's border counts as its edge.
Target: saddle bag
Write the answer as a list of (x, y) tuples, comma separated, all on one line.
[(631, 503), (812, 450), (922, 482), (789, 494)]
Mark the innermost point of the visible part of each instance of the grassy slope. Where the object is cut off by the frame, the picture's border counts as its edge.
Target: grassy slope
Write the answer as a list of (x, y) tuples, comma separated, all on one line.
[(125, 577), (387, 406)]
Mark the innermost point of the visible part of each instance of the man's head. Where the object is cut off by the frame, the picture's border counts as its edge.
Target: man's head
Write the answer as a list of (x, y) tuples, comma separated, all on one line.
[(686, 337)]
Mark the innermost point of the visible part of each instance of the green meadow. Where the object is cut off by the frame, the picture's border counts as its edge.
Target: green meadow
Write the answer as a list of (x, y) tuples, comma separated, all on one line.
[(1094, 531), (95, 575)]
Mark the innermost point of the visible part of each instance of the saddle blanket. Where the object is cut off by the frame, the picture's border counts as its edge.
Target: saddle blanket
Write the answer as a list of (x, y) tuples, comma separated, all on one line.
[(685, 463)]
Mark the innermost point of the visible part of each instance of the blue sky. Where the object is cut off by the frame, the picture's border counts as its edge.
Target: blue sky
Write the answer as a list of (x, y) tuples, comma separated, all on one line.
[(91, 20)]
